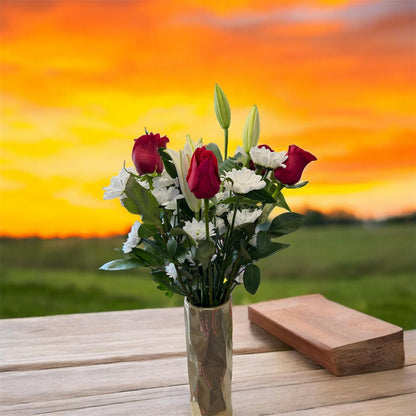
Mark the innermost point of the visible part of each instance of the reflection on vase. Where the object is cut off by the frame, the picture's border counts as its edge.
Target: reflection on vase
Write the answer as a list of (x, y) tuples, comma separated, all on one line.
[(209, 348)]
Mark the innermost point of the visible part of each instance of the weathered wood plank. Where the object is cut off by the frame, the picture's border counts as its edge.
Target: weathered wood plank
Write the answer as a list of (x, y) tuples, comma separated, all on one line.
[(386, 406), (340, 339), (100, 385), (85, 339), (69, 382), (255, 395)]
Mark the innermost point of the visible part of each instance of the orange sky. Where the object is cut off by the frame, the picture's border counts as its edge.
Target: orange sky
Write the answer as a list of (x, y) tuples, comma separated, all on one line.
[(81, 79)]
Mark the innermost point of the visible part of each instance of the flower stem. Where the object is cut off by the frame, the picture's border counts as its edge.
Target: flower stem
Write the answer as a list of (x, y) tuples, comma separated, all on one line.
[(226, 143), (210, 287)]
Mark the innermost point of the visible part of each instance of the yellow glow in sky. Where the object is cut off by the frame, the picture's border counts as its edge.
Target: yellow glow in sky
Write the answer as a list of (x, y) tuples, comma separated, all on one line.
[(81, 80)]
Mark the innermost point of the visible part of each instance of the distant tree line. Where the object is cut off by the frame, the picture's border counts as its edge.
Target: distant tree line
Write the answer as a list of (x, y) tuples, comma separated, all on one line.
[(340, 217)]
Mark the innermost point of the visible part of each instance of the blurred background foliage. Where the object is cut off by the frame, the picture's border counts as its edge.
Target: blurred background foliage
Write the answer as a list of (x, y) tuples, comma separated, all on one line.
[(369, 266)]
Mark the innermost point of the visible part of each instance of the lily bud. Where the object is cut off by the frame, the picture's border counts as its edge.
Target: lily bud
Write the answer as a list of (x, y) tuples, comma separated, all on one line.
[(222, 108), (251, 131)]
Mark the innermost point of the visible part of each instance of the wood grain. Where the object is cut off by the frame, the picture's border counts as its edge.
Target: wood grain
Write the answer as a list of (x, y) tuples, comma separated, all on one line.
[(107, 337), (340, 339), (268, 378)]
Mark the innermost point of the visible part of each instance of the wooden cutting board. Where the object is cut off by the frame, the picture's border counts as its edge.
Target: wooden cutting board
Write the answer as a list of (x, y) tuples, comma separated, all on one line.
[(342, 340)]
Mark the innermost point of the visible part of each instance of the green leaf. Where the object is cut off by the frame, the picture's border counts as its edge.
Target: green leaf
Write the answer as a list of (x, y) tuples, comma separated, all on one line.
[(274, 248), (228, 165), (146, 203), (204, 251), (168, 163), (281, 202), (150, 259), (130, 206), (122, 264), (172, 245), (147, 230), (165, 283), (216, 150), (264, 242), (261, 195), (296, 186), (251, 278), (285, 223), (243, 251)]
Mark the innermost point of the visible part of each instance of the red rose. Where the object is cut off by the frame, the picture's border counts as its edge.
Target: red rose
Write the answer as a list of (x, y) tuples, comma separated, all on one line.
[(295, 163), (203, 177), (145, 153)]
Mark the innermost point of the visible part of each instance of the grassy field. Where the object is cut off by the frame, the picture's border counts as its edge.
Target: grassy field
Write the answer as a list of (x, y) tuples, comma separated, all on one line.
[(371, 269)]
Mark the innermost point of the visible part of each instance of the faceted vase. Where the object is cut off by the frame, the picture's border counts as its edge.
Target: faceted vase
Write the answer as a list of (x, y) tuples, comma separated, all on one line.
[(209, 347)]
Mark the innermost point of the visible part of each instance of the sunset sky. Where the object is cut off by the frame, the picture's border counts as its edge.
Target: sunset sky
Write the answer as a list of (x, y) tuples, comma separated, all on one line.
[(81, 79)]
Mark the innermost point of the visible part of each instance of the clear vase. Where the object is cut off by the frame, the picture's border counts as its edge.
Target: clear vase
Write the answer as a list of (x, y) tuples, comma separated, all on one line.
[(209, 348)]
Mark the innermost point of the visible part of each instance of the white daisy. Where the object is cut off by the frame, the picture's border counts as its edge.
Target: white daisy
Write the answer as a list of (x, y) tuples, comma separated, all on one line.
[(243, 181), (132, 239), (262, 156), (244, 216), (196, 229)]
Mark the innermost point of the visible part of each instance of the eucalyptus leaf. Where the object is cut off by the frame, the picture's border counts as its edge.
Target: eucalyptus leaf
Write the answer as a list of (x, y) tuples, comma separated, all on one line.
[(122, 264), (251, 278)]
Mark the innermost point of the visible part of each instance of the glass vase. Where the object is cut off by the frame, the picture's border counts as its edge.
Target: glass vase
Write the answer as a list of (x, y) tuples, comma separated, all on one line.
[(209, 348)]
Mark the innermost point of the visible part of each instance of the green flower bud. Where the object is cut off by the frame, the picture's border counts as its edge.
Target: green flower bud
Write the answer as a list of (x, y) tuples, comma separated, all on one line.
[(251, 130), (222, 108)]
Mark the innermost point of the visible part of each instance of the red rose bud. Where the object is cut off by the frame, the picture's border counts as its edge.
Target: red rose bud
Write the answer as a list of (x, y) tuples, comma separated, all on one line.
[(295, 164), (145, 153), (203, 177)]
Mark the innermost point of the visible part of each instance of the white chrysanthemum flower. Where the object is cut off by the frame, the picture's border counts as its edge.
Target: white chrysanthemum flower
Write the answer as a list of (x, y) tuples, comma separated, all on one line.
[(240, 154), (171, 271), (165, 180), (196, 229), (221, 209), (262, 156), (132, 239), (118, 184), (244, 216), (221, 226), (221, 196), (167, 197), (243, 180)]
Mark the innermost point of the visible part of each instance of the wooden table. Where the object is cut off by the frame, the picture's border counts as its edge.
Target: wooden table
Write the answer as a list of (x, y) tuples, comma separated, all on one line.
[(133, 363)]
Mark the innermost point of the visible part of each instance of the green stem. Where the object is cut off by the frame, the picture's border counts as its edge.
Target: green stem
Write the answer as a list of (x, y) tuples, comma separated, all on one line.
[(226, 143), (231, 279), (210, 287)]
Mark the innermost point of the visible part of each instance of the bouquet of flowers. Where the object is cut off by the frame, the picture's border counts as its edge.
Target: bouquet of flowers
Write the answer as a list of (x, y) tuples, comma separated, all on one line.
[(204, 217)]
